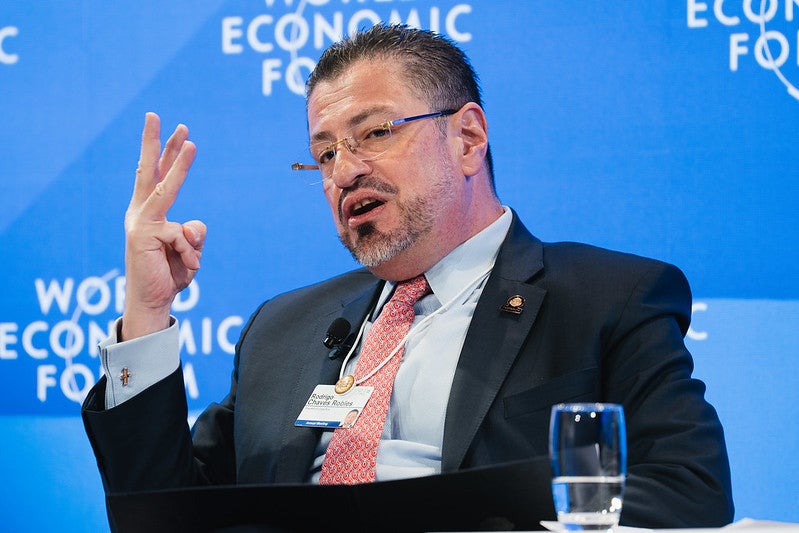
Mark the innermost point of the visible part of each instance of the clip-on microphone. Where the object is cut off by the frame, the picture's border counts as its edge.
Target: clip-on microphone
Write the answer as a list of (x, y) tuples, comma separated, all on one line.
[(337, 331)]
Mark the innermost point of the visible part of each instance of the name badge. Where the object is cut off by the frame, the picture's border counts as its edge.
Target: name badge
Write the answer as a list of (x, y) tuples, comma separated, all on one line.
[(328, 409)]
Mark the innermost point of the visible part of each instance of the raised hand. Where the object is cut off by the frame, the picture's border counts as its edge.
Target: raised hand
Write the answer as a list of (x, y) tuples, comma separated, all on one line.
[(161, 257)]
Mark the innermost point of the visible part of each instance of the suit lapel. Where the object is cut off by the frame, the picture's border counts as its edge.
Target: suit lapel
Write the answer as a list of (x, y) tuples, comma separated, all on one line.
[(319, 368), (493, 341)]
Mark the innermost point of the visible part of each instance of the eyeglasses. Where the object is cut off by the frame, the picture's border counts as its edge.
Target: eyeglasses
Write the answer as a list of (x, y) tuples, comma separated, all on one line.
[(366, 144)]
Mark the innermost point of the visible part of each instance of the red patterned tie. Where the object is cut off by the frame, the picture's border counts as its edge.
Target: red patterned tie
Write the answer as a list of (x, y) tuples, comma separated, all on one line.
[(352, 454)]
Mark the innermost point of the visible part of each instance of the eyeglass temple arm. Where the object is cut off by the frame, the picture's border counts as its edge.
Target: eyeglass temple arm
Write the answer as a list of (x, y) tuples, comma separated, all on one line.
[(420, 117), (303, 166)]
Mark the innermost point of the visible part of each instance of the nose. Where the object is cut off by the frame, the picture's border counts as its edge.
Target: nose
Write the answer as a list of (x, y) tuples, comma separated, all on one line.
[(347, 168)]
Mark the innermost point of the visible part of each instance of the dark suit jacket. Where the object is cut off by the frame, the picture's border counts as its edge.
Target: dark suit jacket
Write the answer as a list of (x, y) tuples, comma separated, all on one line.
[(596, 325)]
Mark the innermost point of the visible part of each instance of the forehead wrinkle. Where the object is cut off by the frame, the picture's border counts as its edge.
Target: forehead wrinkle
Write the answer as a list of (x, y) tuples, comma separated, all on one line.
[(354, 121)]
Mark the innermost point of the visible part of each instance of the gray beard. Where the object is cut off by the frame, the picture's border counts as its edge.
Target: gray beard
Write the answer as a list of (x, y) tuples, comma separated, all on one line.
[(373, 247)]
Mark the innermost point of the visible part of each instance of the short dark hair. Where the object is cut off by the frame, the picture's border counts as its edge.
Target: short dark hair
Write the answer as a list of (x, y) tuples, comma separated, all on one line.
[(435, 67)]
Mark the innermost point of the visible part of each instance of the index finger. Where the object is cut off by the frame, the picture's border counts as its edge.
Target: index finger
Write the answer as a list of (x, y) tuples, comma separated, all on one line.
[(148, 159)]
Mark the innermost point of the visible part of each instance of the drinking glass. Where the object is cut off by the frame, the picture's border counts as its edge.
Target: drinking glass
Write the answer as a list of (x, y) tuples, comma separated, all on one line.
[(588, 452)]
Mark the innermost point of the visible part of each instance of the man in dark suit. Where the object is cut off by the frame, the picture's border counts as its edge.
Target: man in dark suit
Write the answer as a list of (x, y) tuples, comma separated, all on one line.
[(512, 325)]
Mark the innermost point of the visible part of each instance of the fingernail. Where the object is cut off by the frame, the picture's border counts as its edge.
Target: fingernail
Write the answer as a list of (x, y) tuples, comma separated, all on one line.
[(195, 235)]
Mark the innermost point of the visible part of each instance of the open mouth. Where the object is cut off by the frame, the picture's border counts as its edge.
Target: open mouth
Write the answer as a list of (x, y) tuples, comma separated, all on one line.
[(364, 206), (357, 205)]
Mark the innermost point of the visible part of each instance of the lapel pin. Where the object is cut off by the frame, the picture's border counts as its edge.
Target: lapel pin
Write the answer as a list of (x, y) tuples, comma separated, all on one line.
[(514, 305)]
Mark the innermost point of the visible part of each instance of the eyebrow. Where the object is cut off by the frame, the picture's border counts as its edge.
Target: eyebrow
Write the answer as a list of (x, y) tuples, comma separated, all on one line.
[(356, 120)]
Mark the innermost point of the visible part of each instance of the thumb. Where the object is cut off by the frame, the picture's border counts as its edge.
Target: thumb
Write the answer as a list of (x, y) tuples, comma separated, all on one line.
[(195, 232)]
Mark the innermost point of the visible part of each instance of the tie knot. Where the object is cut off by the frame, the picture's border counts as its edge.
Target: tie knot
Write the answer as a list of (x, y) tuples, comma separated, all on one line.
[(410, 291), (400, 307)]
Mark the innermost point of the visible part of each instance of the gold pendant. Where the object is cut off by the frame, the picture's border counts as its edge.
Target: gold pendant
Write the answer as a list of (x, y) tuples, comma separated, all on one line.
[(345, 384)]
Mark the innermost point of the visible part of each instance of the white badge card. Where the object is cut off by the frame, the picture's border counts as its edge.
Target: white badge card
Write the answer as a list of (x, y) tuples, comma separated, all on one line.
[(328, 409)]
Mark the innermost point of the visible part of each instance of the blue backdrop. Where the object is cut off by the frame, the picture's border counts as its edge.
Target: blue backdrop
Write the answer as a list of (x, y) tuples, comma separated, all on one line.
[(665, 128)]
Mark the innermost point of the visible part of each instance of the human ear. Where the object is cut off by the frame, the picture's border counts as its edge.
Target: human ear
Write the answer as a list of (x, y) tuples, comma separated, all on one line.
[(472, 128)]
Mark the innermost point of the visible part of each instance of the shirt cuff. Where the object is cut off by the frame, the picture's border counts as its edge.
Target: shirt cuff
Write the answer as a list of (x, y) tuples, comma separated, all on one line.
[(132, 366)]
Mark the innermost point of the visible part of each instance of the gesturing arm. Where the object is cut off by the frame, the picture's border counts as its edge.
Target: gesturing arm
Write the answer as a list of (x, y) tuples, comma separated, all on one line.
[(161, 257)]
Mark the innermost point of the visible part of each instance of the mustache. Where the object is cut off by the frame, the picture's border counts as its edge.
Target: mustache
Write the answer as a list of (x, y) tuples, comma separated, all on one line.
[(366, 182)]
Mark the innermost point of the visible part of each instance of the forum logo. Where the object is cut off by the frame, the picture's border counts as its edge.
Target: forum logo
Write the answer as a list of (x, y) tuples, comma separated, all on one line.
[(763, 32), (290, 35)]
